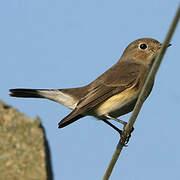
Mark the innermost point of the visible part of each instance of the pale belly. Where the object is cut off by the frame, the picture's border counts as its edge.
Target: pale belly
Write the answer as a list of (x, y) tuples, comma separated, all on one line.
[(118, 104)]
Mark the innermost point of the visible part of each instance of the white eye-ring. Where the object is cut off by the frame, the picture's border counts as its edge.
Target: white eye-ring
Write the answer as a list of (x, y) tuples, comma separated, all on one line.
[(143, 46)]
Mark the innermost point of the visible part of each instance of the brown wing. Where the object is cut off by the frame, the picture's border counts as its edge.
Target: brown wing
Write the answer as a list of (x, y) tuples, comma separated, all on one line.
[(118, 78)]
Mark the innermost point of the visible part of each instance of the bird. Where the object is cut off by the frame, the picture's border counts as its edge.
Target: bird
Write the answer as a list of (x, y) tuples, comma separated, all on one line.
[(112, 94)]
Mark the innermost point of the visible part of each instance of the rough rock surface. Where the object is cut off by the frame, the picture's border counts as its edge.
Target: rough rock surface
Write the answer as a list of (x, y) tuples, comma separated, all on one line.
[(24, 150)]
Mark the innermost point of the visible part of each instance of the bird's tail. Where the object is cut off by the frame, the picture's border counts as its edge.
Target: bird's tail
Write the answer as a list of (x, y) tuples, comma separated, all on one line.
[(28, 93), (67, 97)]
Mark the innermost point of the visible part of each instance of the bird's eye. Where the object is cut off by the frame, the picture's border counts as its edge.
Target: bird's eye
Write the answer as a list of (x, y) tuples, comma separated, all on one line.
[(143, 46)]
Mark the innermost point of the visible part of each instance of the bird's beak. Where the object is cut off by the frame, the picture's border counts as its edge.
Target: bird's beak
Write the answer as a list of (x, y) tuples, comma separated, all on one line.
[(169, 45)]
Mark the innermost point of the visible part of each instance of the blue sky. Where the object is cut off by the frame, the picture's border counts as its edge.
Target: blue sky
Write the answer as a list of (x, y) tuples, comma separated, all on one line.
[(66, 43)]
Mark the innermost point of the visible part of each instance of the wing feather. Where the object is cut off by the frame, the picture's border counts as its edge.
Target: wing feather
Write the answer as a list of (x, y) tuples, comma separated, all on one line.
[(118, 78)]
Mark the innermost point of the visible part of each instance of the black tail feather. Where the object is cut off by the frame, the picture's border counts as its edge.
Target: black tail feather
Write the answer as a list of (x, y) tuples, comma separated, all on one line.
[(44, 93), (25, 93)]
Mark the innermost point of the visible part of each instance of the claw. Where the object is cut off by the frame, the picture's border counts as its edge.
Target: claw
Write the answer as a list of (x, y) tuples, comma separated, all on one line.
[(128, 136)]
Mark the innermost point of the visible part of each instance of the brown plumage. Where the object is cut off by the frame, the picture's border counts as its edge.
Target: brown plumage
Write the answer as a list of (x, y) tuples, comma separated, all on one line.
[(114, 93)]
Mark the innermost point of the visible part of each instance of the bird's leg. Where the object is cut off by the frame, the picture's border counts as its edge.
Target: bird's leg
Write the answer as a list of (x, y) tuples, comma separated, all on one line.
[(114, 127), (117, 120), (122, 122)]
